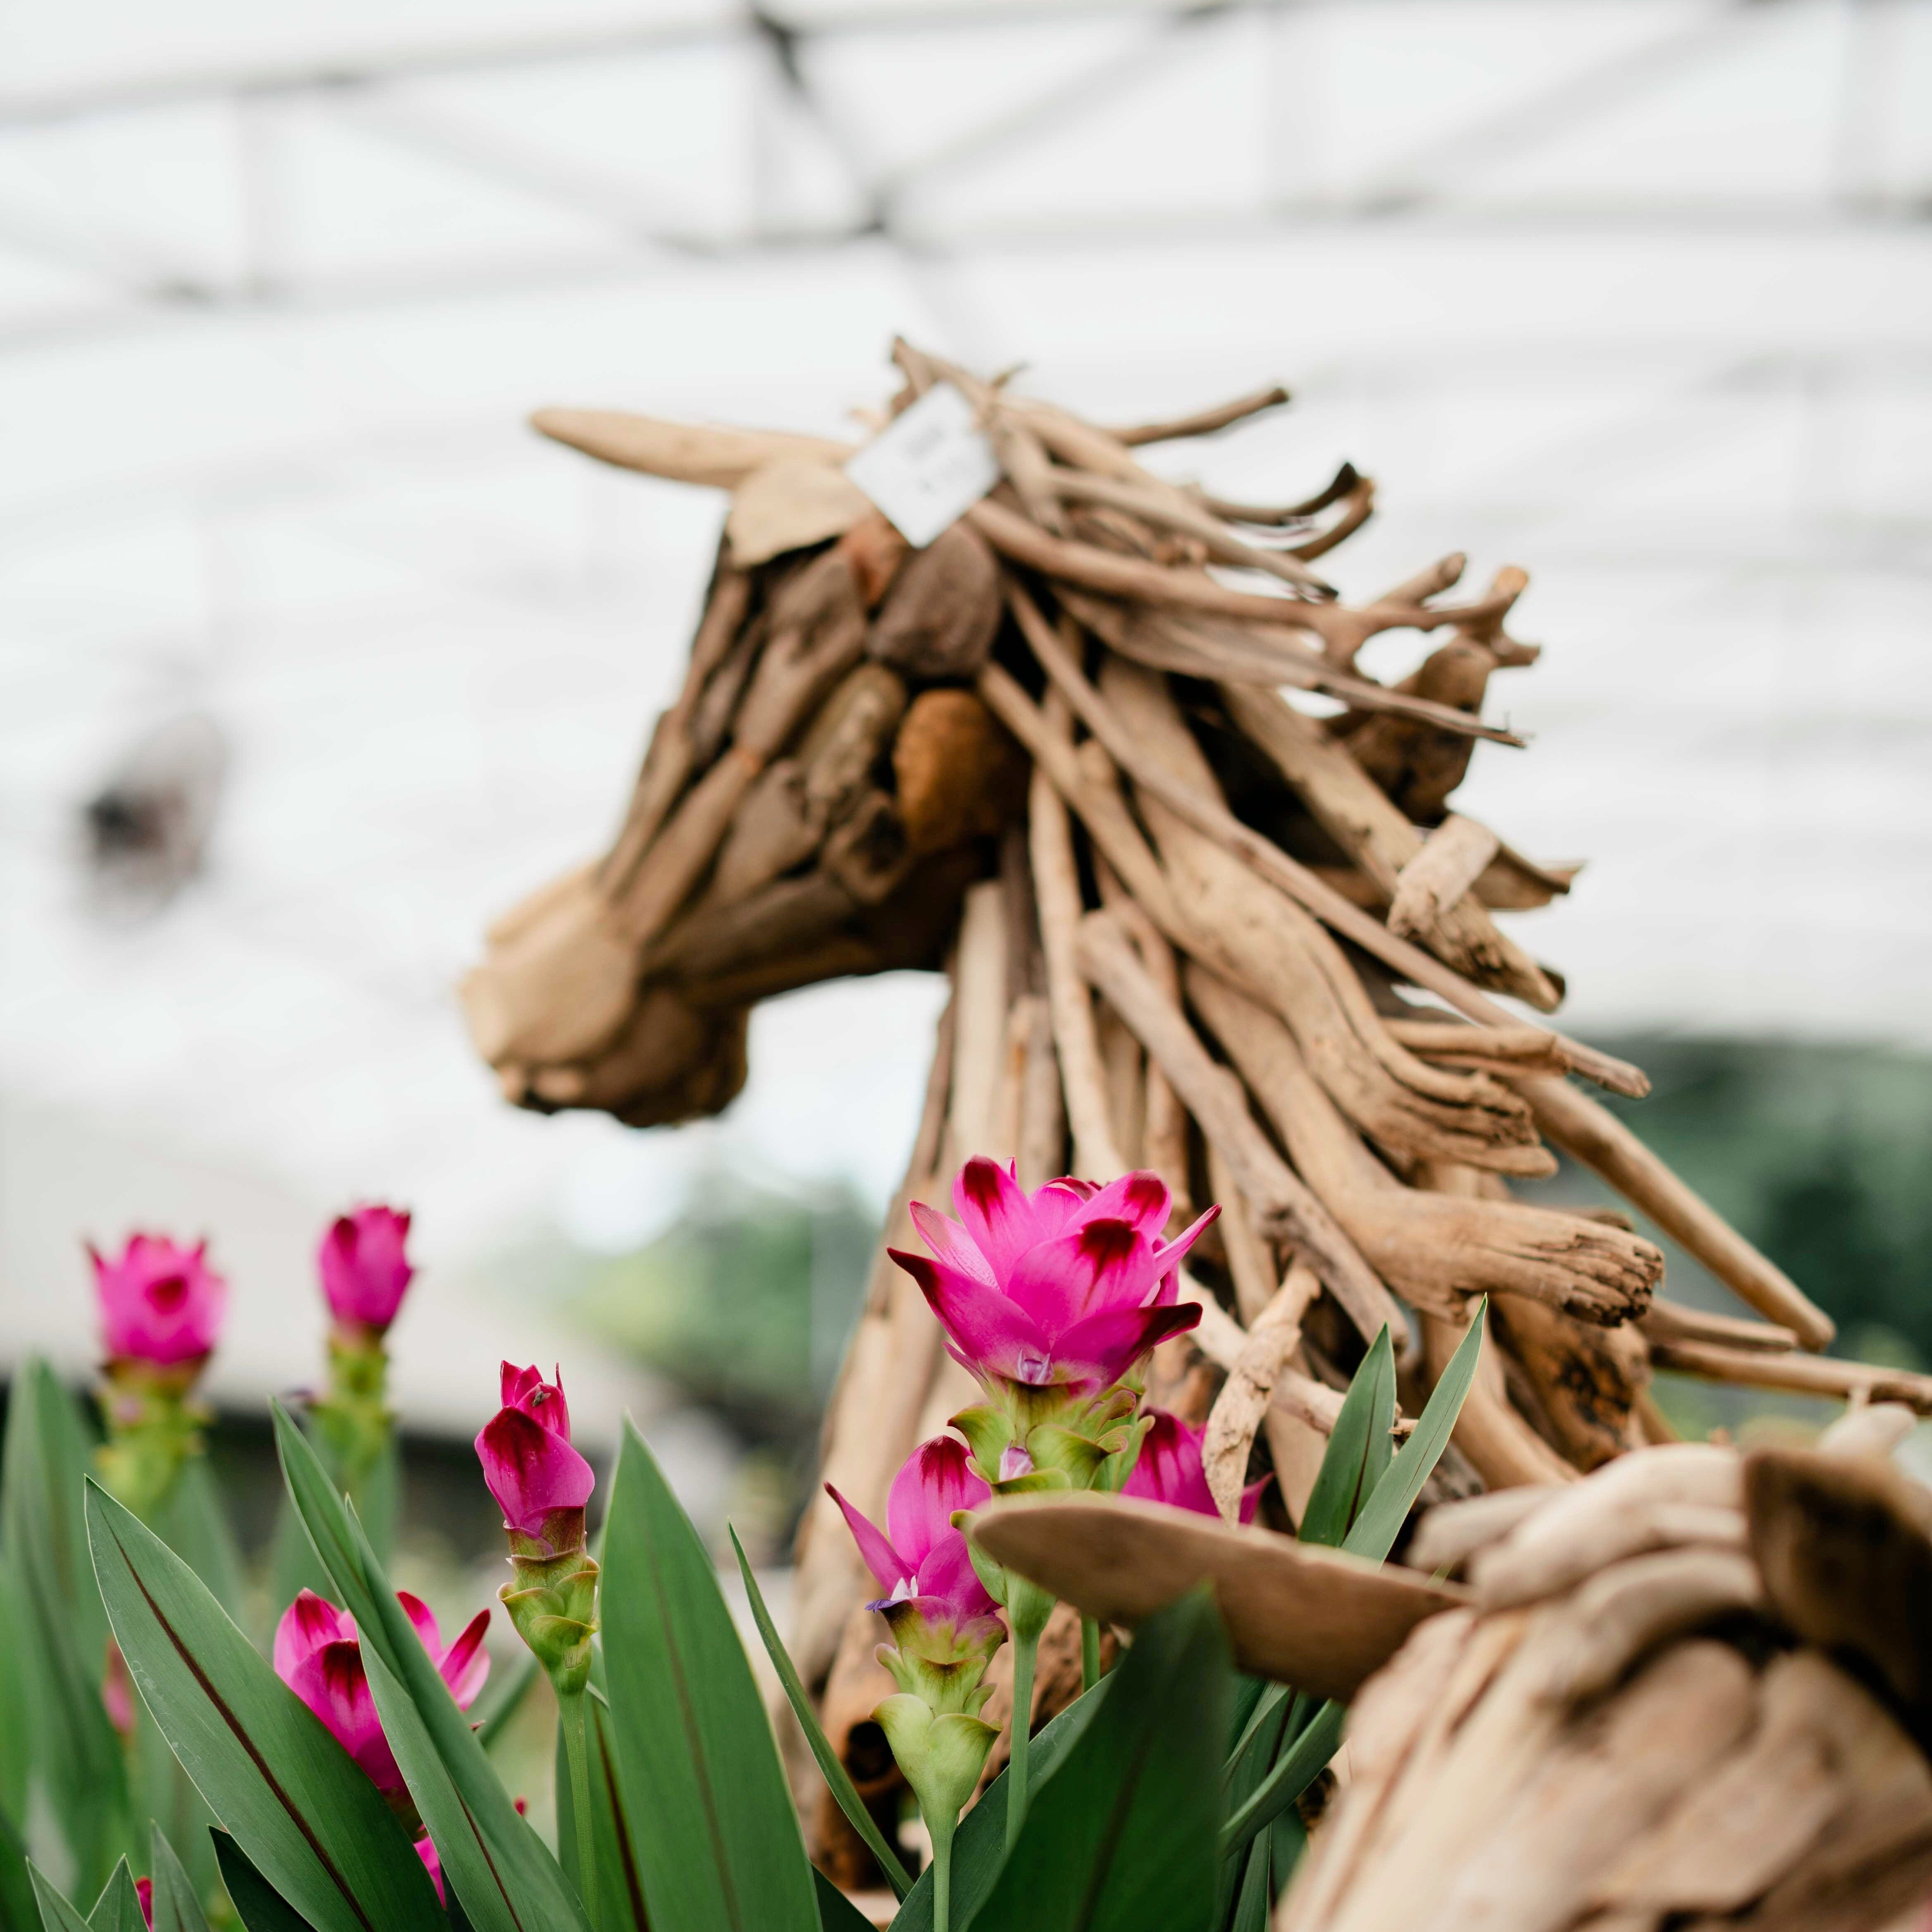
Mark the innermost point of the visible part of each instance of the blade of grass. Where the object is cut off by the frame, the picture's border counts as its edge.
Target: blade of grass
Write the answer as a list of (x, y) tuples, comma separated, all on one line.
[(843, 1789)]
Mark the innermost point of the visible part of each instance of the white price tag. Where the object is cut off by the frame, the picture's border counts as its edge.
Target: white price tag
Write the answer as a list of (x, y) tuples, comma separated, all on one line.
[(928, 467)]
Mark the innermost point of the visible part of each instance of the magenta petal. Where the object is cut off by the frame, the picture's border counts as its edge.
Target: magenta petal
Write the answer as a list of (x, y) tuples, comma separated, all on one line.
[(1168, 1255), (332, 1683), (306, 1625), (936, 1480), (950, 1243), (1169, 1469), (422, 1619), (1104, 1347), (1058, 1205), (947, 1573), (1140, 1198), (465, 1666), (1251, 1498), (889, 1571), (531, 1471), (433, 1863), (994, 1335), (997, 1212), (1097, 1264)]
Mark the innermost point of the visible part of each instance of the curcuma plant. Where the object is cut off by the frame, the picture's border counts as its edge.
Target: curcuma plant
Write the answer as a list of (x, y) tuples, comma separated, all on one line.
[(168, 1774)]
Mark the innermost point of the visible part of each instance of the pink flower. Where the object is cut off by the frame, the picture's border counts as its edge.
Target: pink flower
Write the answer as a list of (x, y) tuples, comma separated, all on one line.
[(536, 1477), (318, 1657), (144, 1891), (363, 1270), (159, 1302), (923, 1560), (1168, 1470), (432, 1860), (1070, 1287), (117, 1691)]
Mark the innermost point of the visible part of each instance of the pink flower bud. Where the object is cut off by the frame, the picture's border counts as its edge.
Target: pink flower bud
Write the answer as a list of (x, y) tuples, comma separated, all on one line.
[(117, 1692), (364, 1271), (159, 1302), (540, 1482), (318, 1656), (144, 1891)]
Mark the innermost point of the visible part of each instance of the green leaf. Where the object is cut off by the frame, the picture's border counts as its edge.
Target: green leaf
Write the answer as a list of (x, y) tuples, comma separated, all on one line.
[(836, 1912), (192, 1522), (56, 1914), (979, 1849), (503, 1872), (18, 1911), (119, 1907), (1296, 1768), (1251, 1906), (260, 1907), (620, 1892), (296, 1802), (843, 1789), (177, 1905), (517, 1685), (1122, 1838), (1359, 1448), (714, 1829), (1380, 1522), (15, 1719), (63, 1629)]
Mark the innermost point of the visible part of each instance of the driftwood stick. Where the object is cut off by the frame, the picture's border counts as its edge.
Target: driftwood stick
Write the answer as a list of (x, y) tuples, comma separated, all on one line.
[(703, 453), (1370, 827), (668, 763), (1240, 1408), (1041, 1152), (1286, 1209), (1163, 1118), (1204, 422), (1437, 1251), (1174, 511), (1527, 1049), (1799, 1374), (1450, 861), (1056, 893), (1672, 1321), (1102, 809), (1274, 865), (1250, 654), (1340, 630), (1597, 1138)]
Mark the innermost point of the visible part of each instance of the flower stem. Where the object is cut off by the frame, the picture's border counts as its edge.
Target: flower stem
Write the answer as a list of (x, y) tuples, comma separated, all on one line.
[(570, 1715), (1025, 1644), (941, 1831), (1089, 1653)]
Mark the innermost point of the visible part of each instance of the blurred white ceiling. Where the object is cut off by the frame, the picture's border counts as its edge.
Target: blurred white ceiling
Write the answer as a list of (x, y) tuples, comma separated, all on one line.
[(1635, 293)]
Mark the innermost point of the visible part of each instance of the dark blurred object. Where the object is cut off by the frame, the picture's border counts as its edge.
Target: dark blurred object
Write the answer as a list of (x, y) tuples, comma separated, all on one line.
[(147, 825)]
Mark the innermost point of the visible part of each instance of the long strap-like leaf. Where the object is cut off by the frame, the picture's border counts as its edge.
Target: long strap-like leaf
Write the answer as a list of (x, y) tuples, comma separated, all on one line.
[(506, 1877), (836, 1776), (176, 1907), (295, 1799)]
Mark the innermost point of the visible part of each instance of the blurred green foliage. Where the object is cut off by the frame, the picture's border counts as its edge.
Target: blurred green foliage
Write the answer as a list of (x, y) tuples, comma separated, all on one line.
[(746, 1299)]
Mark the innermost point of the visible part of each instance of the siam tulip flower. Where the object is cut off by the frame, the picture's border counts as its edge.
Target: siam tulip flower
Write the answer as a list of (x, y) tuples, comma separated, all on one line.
[(318, 1656), (144, 1891), (945, 1624), (945, 1632), (1169, 1470), (1066, 1288), (161, 1303), (364, 1271), (541, 1485), (161, 1306)]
